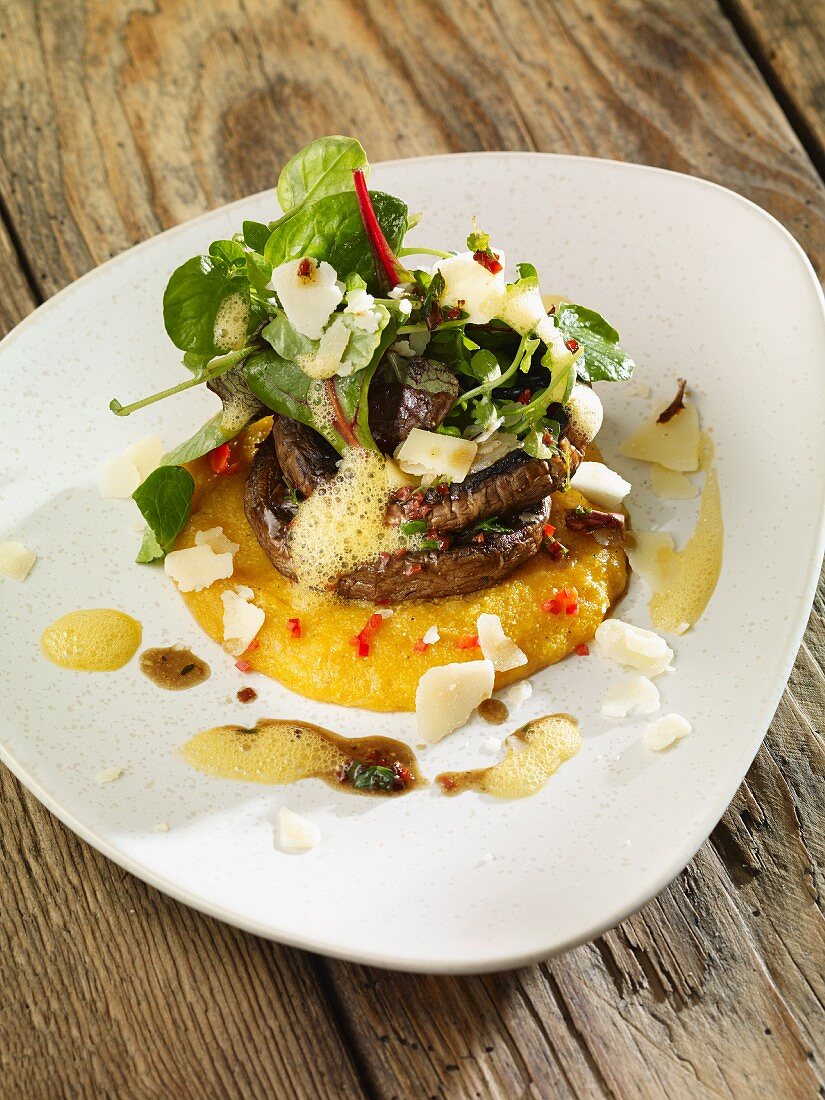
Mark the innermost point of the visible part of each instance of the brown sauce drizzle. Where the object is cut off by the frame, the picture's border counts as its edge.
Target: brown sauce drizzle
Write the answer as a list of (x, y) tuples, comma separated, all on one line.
[(534, 752), (173, 668), (276, 751), (493, 711)]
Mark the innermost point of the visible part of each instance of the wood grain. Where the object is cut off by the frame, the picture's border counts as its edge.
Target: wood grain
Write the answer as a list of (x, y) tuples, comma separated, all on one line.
[(120, 118), (787, 40)]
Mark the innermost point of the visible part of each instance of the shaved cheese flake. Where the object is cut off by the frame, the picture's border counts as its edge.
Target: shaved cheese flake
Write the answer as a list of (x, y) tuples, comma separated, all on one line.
[(650, 554), (471, 287), (122, 475), (665, 731), (147, 454), (109, 775), (497, 646), (674, 444), (670, 484), (308, 291), (447, 695), (430, 455), (296, 833), (241, 620), (633, 647), (600, 484), (119, 479), (326, 361), (196, 567), (515, 694), (15, 560), (215, 538), (631, 695)]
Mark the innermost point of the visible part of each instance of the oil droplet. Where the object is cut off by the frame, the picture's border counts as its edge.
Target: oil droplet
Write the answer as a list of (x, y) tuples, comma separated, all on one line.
[(534, 752), (493, 711), (173, 668), (690, 575), (92, 640), (278, 751)]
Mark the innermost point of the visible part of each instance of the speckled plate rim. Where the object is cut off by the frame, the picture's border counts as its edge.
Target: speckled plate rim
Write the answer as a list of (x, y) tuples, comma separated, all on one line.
[(726, 785)]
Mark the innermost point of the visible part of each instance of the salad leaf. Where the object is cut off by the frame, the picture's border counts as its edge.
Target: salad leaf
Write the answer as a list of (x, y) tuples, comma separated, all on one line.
[(281, 385), (193, 298), (323, 168), (331, 229), (230, 252), (336, 408), (255, 236), (163, 499), (603, 360)]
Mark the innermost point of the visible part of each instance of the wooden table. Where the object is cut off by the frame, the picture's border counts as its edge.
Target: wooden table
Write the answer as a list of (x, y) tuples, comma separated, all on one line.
[(118, 119)]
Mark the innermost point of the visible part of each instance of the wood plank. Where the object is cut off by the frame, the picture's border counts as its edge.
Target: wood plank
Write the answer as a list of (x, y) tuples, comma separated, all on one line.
[(136, 116), (787, 39), (109, 988)]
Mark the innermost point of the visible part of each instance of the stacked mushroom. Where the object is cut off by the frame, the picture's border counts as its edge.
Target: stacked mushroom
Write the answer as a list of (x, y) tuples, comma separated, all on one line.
[(514, 488)]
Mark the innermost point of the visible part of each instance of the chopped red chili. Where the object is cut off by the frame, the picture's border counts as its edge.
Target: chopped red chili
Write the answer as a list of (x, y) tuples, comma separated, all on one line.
[(294, 627), (487, 258), (420, 646), (571, 344), (468, 641), (246, 695), (363, 638), (218, 460), (564, 602), (412, 569), (524, 397), (305, 268), (243, 666), (548, 530), (253, 645), (582, 650)]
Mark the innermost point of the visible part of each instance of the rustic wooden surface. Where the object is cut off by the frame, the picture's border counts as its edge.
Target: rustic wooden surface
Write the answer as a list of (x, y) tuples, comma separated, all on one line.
[(118, 119)]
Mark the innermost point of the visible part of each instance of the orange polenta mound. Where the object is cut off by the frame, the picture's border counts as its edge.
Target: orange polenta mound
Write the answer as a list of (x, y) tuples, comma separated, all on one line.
[(317, 658)]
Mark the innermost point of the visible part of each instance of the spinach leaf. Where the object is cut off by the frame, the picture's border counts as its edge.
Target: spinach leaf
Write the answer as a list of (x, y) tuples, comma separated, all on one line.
[(240, 408), (193, 298), (603, 359), (337, 408), (230, 252), (282, 386), (258, 272), (255, 236), (163, 499), (323, 168), (332, 230)]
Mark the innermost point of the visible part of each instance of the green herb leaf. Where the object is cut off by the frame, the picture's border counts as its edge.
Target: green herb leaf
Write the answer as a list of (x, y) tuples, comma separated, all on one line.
[(255, 235), (193, 298), (414, 527), (230, 252), (331, 229), (324, 167), (478, 241), (372, 777), (492, 525), (163, 499), (603, 360)]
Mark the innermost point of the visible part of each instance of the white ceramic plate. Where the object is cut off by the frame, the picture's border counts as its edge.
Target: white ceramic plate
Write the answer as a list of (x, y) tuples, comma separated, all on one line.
[(701, 283)]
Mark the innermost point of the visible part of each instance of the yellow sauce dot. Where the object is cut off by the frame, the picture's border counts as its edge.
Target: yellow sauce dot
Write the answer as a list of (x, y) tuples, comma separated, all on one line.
[(534, 752), (93, 640)]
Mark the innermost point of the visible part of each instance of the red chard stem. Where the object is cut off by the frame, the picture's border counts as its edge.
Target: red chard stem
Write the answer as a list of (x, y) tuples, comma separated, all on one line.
[(387, 264)]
